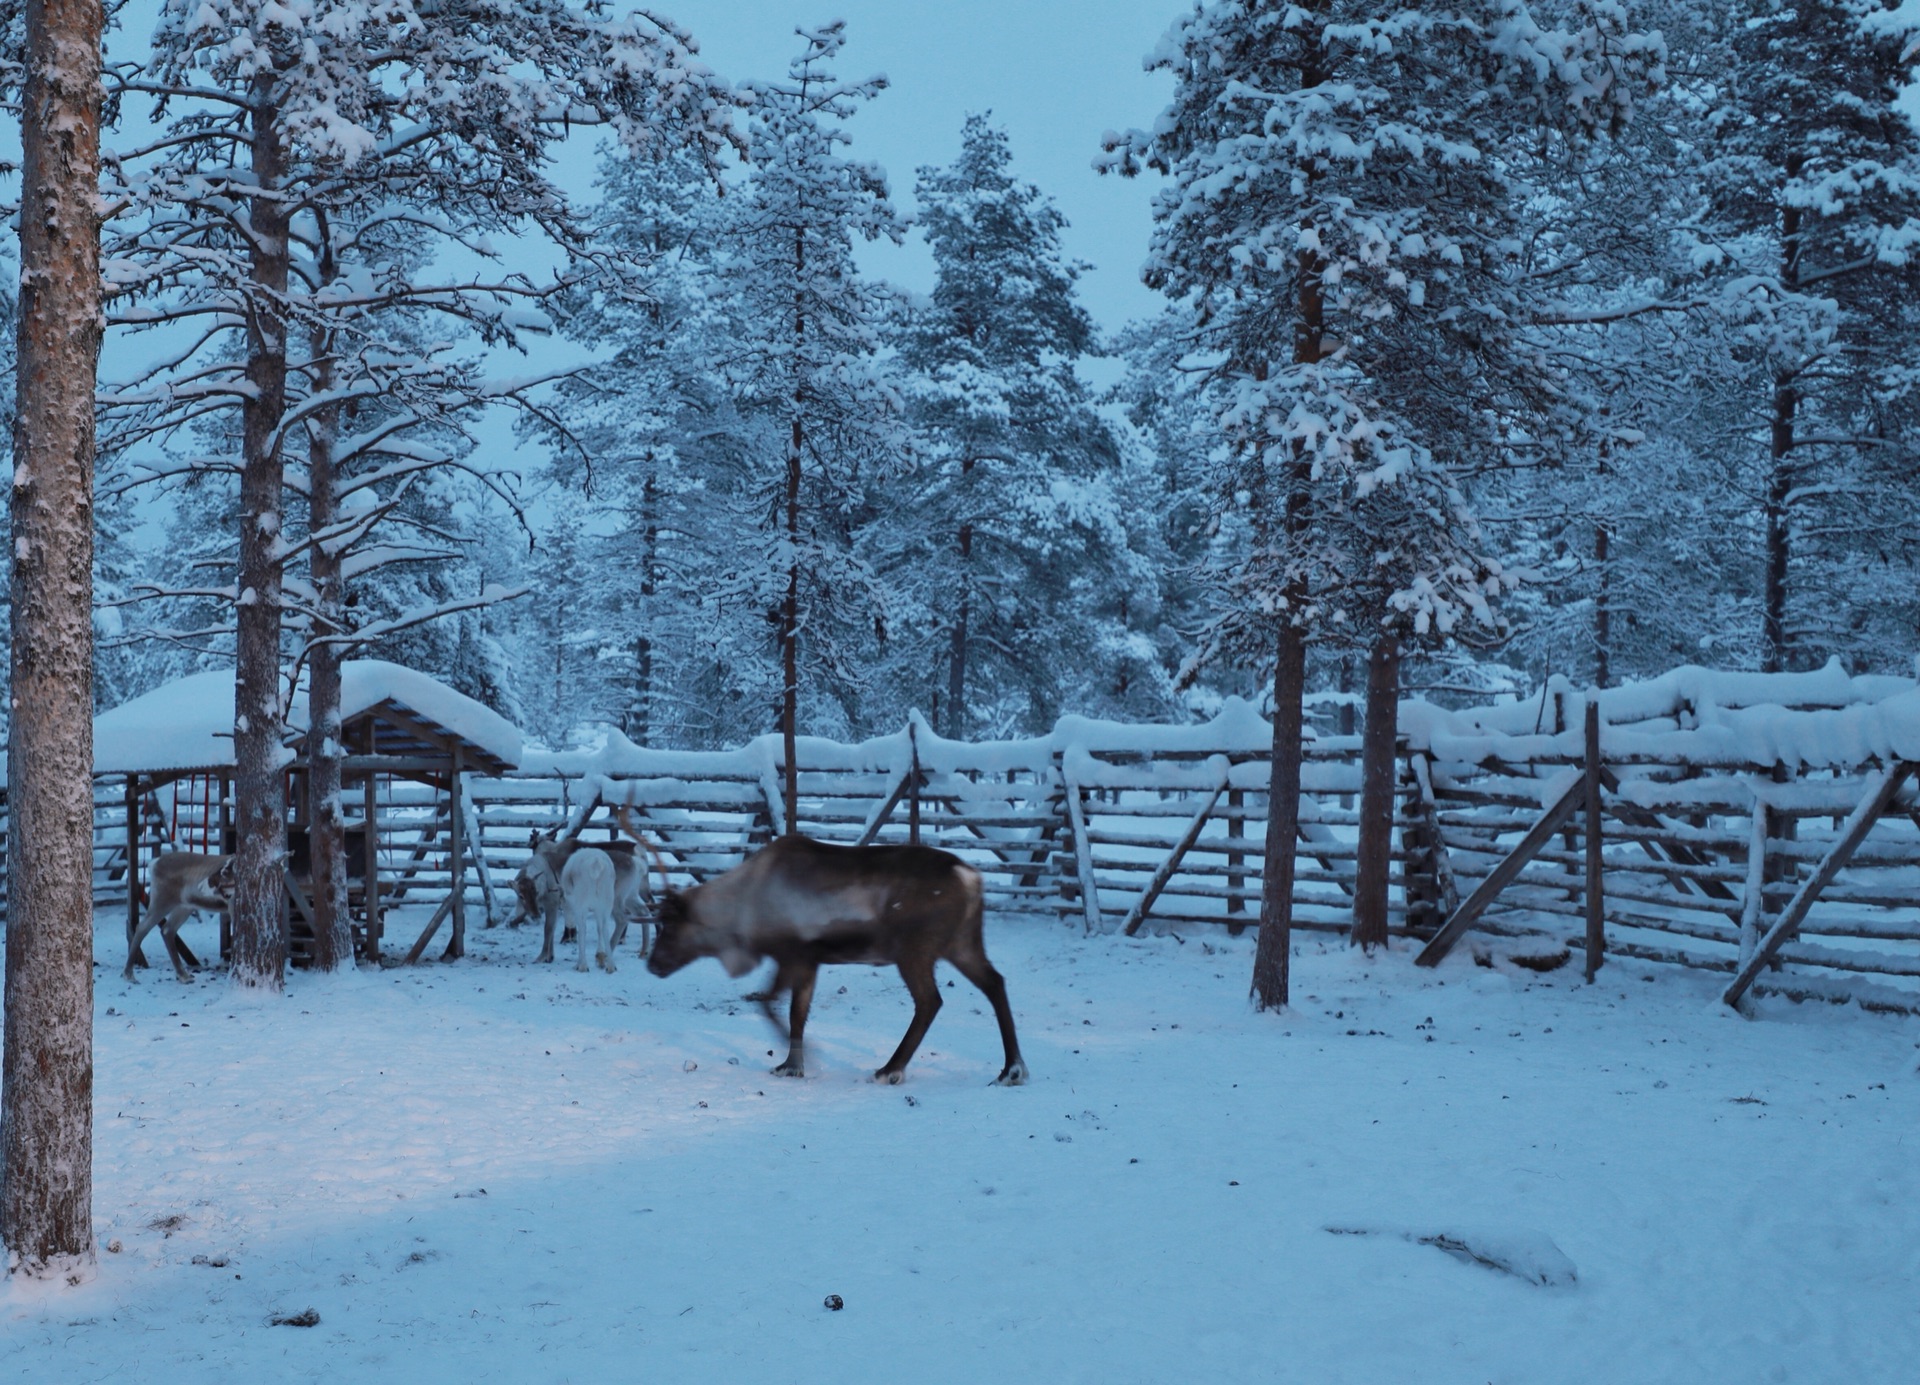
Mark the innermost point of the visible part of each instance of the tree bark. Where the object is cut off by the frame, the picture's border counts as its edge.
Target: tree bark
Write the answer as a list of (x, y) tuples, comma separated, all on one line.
[(1273, 946), (46, 1073), (639, 718), (790, 642), (1378, 759), (1775, 655), (259, 782), (326, 815), (959, 636)]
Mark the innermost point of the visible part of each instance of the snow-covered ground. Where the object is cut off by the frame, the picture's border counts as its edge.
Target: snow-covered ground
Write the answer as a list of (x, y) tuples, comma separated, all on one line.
[(501, 1171)]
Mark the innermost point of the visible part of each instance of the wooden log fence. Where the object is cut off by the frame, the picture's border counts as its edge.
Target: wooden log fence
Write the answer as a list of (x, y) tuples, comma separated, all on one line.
[(1582, 833)]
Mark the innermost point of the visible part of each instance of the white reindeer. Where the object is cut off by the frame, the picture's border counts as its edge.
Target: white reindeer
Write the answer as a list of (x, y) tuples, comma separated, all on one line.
[(587, 887)]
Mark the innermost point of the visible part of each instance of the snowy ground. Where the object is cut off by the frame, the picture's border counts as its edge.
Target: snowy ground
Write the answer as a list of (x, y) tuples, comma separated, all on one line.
[(500, 1171)]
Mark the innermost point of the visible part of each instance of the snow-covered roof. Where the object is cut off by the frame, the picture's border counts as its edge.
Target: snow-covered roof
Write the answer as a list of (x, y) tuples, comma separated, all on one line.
[(366, 684), (181, 726), (187, 725)]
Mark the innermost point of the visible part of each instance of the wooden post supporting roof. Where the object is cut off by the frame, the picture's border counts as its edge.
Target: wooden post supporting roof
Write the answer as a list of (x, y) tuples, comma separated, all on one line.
[(1880, 791), (1595, 901), (1503, 874)]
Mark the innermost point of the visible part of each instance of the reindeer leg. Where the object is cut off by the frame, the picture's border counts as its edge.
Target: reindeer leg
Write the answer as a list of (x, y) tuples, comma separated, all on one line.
[(170, 935), (782, 982), (977, 969), (602, 931), (134, 956), (803, 976), (546, 942), (578, 927), (917, 972)]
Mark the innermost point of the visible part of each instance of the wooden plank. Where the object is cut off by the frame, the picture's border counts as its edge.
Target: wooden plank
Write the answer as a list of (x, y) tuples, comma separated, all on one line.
[(426, 935), (1880, 791), (1594, 895), (1083, 858), (1756, 882), (370, 791), (1503, 874), (878, 817), (1137, 915), (457, 863)]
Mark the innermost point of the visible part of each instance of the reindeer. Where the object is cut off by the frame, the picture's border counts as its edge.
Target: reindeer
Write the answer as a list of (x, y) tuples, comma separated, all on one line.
[(587, 887), (538, 887), (182, 883), (805, 903)]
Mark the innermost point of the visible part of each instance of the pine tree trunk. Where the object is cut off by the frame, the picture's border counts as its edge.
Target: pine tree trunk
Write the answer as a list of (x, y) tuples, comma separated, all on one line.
[(1272, 956), (790, 642), (259, 782), (960, 635), (1273, 947), (326, 815), (1775, 656), (639, 718), (46, 1072), (1603, 585), (1378, 760)]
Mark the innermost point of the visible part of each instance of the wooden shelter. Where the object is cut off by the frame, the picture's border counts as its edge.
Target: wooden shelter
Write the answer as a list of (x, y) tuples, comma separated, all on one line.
[(169, 755)]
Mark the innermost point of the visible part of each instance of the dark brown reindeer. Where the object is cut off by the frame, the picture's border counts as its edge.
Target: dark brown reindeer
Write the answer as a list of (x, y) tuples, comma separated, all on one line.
[(804, 904)]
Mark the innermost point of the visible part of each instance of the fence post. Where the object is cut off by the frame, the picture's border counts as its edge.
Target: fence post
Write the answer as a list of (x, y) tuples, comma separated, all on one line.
[(913, 786), (1596, 899), (1236, 861)]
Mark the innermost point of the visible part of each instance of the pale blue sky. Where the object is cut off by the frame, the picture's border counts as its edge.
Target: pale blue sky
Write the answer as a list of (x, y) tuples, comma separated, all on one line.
[(1054, 73)]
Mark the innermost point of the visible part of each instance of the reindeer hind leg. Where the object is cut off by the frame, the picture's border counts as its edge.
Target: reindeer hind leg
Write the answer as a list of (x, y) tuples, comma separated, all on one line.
[(976, 968), (917, 972)]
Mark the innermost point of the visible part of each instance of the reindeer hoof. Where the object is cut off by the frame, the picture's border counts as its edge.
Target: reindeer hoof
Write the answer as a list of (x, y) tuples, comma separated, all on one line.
[(789, 1069), (606, 962), (581, 965), (1014, 1076), (889, 1077)]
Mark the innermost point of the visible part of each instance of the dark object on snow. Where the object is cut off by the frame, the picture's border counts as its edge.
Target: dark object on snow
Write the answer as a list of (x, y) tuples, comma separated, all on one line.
[(1539, 961), (835, 1303), (306, 1317), (1528, 1255), (805, 903)]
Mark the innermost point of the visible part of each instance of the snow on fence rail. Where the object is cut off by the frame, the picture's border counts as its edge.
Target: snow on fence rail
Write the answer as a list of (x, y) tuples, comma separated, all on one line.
[(1765, 826)]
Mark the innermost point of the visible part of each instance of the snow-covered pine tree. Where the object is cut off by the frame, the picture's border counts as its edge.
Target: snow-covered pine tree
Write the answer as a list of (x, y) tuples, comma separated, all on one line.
[(1336, 230), (46, 1064), (818, 415), (651, 429), (1812, 176), (294, 146), (1008, 535)]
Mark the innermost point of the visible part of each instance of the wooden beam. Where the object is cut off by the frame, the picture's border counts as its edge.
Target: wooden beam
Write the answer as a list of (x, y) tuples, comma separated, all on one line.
[(133, 859), (370, 890), (878, 818), (433, 926), (457, 863), (1082, 857), (1595, 899), (1503, 874), (1881, 787), (1755, 900), (1137, 915)]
